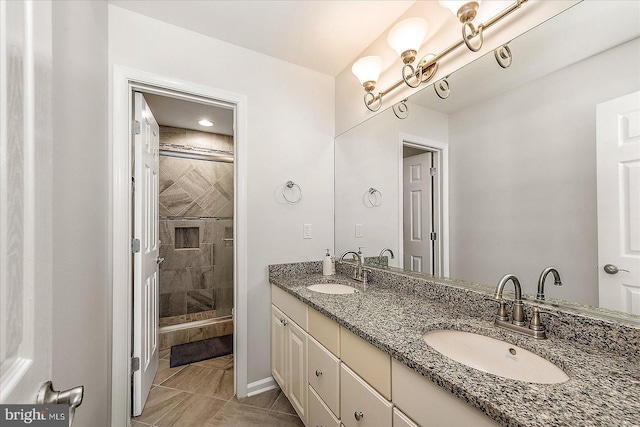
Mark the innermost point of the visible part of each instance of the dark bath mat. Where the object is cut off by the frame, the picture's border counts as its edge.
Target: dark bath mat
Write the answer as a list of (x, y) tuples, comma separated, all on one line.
[(183, 354)]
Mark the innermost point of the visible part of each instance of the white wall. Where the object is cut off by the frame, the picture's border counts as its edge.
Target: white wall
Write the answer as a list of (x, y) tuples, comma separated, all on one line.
[(523, 177), (80, 206), (444, 29), (369, 156), (290, 137)]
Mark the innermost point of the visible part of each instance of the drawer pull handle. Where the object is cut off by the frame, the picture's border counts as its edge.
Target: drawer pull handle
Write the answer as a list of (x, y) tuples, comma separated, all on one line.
[(359, 415), (318, 372)]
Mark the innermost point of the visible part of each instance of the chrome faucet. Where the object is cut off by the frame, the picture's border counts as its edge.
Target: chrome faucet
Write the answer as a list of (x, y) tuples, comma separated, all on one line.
[(382, 253), (543, 276), (359, 273)]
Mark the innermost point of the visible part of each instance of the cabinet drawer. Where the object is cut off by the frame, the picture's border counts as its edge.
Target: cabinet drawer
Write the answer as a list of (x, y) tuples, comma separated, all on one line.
[(358, 397), (324, 375), (325, 330), (295, 309), (319, 414), (401, 420), (430, 405), (372, 364)]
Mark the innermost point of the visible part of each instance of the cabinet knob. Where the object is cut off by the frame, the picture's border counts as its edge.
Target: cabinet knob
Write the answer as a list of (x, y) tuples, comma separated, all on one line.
[(318, 372), (284, 321), (359, 415)]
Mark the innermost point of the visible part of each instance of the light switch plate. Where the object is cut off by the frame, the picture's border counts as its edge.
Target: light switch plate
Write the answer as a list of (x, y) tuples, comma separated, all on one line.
[(358, 230), (306, 231)]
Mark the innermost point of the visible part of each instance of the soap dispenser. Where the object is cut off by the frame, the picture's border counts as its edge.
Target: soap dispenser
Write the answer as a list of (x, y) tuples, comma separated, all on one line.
[(327, 265)]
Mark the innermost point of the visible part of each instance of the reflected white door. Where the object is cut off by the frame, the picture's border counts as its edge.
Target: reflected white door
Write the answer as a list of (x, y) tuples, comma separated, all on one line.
[(417, 213), (145, 260), (25, 200), (618, 154)]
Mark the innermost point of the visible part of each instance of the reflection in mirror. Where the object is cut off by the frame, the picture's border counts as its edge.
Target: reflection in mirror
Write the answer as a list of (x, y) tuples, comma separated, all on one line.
[(511, 166)]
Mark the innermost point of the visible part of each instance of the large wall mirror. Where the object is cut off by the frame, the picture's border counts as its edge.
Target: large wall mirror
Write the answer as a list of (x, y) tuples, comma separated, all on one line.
[(504, 175)]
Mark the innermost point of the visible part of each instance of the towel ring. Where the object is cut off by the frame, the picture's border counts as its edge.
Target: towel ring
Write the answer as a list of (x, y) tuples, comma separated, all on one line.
[(290, 185), (375, 200)]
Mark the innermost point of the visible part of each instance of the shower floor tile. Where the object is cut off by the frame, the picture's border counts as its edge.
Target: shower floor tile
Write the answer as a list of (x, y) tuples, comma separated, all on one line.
[(201, 394)]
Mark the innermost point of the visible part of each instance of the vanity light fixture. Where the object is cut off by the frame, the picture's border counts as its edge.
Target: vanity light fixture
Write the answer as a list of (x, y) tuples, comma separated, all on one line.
[(407, 36), (367, 70), (205, 122)]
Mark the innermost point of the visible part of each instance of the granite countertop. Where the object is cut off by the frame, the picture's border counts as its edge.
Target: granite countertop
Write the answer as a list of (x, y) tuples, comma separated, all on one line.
[(603, 389)]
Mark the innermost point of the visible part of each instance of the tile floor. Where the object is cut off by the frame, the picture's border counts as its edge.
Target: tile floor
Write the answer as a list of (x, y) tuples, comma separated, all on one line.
[(201, 395)]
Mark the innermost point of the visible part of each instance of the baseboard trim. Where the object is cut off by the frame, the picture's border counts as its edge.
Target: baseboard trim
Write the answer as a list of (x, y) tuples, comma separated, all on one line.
[(261, 386)]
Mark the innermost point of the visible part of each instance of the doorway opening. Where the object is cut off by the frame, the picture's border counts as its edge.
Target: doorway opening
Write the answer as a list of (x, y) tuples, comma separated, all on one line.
[(423, 231), (123, 162), (184, 156)]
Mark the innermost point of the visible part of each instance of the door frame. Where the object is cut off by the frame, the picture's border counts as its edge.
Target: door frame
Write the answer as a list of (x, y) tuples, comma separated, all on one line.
[(125, 80), (442, 151)]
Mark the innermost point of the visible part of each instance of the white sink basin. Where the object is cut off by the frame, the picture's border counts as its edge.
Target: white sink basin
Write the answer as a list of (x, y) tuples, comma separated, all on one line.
[(495, 356), (332, 288)]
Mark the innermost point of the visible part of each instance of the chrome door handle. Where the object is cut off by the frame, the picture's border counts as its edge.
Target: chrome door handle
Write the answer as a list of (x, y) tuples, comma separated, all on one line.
[(159, 260), (612, 269), (227, 240), (72, 397), (318, 372), (358, 415)]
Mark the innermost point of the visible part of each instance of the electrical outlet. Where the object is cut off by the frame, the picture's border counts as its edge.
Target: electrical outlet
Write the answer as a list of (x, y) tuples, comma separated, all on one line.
[(358, 230), (306, 231)]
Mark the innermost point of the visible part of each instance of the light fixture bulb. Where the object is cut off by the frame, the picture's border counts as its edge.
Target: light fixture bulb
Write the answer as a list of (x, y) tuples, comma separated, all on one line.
[(205, 122), (464, 10), (407, 36), (367, 70)]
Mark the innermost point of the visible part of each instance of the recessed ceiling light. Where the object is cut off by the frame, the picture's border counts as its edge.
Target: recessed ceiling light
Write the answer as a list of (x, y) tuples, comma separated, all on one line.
[(205, 122)]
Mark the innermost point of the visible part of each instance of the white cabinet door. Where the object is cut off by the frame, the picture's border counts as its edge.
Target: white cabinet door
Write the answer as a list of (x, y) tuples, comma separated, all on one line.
[(297, 368), (618, 160), (401, 420), (360, 404), (430, 405), (324, 374), (279, 348), (319, 413)]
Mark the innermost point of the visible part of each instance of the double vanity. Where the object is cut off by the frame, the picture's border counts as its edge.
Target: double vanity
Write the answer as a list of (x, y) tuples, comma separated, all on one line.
[(412, 350)]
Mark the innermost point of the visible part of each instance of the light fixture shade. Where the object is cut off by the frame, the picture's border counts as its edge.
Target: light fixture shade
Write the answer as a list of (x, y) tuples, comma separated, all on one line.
[(455, 5), (205, 122), (367, 69), (408, 35)]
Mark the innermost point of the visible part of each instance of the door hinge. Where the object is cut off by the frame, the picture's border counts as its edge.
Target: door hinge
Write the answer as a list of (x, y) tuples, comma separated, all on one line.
[(432, 171), (135, 245), (135, 127), (135, 364), (434, 236)]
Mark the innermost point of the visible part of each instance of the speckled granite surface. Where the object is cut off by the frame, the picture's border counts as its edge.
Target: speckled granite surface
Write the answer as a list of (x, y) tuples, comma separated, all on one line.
[(396, 310)]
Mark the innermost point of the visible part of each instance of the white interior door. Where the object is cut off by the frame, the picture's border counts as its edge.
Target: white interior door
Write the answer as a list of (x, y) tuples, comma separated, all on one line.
[(145, 260), (417, 213), (25, 200), (618, 154)]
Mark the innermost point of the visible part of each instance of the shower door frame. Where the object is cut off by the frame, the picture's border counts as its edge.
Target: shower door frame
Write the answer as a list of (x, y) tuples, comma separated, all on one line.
[(125, 80)]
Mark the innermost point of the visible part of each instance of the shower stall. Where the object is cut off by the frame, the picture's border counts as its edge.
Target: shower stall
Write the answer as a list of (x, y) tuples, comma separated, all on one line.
[(196, 235)]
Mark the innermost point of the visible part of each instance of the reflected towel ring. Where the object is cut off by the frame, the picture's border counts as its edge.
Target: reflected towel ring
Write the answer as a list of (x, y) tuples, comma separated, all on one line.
[(293, 199), (375, 200)]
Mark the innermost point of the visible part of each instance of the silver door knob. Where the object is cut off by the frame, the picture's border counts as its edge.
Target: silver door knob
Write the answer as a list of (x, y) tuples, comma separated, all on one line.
[(612, 269), (72, 397), (318, 372), (358, 415), (159, 260)]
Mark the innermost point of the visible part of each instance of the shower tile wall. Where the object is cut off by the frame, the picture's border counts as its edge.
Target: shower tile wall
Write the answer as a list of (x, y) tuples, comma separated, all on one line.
[(197, 273)]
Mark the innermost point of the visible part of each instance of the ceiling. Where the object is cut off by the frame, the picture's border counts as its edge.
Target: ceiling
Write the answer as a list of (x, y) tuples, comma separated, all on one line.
[(321, 35), (186, 114)]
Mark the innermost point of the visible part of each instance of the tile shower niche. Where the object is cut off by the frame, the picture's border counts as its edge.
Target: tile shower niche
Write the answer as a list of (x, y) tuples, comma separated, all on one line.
[(187, 238)]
